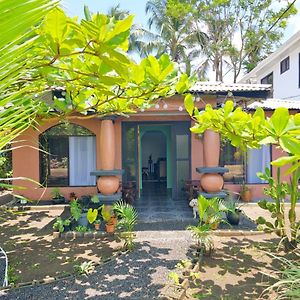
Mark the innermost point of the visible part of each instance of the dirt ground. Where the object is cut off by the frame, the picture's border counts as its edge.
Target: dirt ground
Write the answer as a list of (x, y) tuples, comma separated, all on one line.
[(32, 252)]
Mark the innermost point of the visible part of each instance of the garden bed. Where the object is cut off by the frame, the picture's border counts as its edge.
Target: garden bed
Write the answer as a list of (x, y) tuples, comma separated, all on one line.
[(34, 254)]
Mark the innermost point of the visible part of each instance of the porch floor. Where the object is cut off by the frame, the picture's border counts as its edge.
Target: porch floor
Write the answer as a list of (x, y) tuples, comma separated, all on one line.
[(156, 204)]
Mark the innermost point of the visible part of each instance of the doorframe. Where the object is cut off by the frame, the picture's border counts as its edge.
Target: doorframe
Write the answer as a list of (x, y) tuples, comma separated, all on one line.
[(172, 125)]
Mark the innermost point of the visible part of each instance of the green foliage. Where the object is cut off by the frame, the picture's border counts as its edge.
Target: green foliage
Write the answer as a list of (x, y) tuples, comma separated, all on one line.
[(95, 199), (287, 285), (127, 220), (60, 224), (75, 209), (174, 277), (12, 275), (56, 194), (92, 215), (202, 234), (253, 130), (85, 268), (81, 228), (106, 214), (259, 25)]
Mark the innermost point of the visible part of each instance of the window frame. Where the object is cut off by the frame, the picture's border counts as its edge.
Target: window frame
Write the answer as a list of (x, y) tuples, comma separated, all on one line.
[(45, 182), (267, 78), (285, 65)]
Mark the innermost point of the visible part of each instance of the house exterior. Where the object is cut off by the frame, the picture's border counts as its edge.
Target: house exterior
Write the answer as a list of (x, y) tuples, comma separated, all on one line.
[(281, 69), (152, 148)]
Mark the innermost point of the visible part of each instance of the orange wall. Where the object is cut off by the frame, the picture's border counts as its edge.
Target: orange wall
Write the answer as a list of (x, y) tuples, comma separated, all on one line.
[(26, 161), (26, 158)]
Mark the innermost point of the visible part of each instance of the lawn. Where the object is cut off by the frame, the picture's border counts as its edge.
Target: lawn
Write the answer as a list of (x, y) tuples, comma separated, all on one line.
[(34, 254)]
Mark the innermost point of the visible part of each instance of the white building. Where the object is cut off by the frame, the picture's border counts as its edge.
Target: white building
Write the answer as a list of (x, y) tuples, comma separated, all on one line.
[(281, 69)]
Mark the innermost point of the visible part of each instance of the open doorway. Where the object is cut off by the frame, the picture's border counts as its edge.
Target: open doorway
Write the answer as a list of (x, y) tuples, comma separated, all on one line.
[(155, 153)]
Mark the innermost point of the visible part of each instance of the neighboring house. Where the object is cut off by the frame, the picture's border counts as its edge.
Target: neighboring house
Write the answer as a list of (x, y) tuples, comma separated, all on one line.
[(155, 148), (281, 69)]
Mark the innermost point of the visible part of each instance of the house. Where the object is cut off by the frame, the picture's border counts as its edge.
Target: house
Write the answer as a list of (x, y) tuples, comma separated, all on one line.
[(281, 69), (154, 149)]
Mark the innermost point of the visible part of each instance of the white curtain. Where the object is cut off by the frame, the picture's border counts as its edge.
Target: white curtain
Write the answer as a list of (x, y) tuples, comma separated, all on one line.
[(82, 160), (257, 161)]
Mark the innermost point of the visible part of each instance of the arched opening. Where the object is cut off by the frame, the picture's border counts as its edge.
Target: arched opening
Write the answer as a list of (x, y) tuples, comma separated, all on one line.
[(68, 156)]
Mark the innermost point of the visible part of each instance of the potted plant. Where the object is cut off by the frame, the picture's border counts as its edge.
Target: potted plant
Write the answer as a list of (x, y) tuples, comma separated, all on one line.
[(233, 213), (97, 224), (60, 225), (245, 193), (107, 216), (57, 197)]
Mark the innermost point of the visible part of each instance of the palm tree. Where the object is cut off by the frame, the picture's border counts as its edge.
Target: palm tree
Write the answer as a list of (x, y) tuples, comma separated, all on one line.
[(180, 38), (117, 13)]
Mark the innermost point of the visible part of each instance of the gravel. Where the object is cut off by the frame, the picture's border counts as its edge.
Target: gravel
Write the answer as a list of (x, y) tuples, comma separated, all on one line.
[(140, 274)]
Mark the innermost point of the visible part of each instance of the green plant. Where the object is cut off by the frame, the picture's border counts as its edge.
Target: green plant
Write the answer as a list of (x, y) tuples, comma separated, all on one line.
[(106, 214), (128, 219), (81, 228), (174, 277), (211, 210), (97, 221), (95, 199), (253, 130), (202, 234), (287, 285), (75, 209), (278, 191), (92, 215), (60, 224), (56, 194), (12, 276), (244, 188), (85, 268)]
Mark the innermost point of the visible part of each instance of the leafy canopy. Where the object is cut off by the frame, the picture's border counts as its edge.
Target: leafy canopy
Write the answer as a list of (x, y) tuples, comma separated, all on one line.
[(87, 60)]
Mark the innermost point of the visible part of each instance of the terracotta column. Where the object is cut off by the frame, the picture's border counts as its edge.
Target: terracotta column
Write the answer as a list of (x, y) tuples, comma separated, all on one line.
[(107, 185), (211, 182)]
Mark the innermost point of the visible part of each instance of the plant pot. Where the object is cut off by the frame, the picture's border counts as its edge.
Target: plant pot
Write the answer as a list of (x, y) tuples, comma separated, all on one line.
[(114, 220), (110, 227), (60, 200), (83, 221), (246, 196), (97, 227), (233, 218), (56, 234)]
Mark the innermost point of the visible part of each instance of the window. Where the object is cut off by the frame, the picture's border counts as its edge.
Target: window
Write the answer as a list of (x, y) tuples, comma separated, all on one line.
[(232, 158), (284, 65), (68, 156), (257, 161), (268, 79)]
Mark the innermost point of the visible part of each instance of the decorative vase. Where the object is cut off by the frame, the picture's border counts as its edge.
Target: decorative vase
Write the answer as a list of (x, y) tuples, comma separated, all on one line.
[(212, 183), (211, 148), (107, 145), (108, 185)]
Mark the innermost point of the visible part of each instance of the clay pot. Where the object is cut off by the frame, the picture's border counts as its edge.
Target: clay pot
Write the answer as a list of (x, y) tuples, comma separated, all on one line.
[(107, 145), (110, 227), (108, 185), (246, 196), (212, 183), (97, 227), (211, 148), (114, 220)]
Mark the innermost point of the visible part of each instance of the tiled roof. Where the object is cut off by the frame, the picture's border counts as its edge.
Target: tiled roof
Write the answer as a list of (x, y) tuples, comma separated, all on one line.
[(214, 87), (273, 103)]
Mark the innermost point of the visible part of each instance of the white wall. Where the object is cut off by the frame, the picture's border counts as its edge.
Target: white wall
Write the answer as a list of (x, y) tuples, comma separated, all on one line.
[(284, 85)]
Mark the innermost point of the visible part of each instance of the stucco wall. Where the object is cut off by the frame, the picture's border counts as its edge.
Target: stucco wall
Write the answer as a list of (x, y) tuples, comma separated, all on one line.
[(26, 161)]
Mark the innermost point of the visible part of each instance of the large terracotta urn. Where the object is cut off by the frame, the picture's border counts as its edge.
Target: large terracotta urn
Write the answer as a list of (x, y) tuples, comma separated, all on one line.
[(108, 185), (212, 183), (107, 145), (211, 148)]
